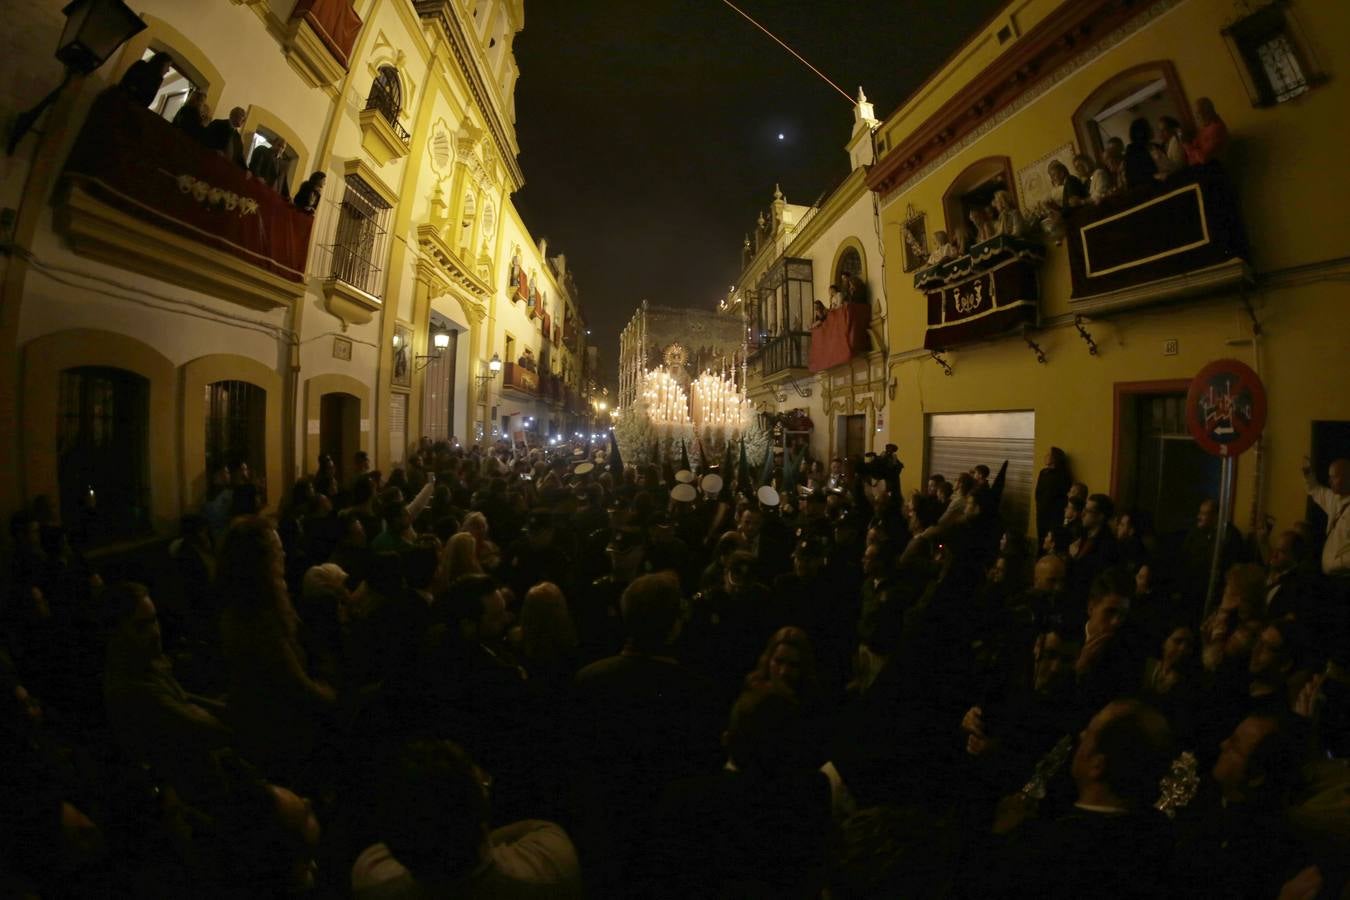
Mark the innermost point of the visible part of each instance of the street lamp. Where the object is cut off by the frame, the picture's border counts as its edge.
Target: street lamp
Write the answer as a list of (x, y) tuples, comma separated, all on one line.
[(494, 366), (439, 341), (94, 30)]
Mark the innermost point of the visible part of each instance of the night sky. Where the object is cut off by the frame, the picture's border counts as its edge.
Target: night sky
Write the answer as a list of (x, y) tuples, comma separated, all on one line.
[(649, 130)]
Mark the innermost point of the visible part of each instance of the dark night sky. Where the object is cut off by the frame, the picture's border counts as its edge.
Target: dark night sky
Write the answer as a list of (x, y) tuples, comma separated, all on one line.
[(649, 128)]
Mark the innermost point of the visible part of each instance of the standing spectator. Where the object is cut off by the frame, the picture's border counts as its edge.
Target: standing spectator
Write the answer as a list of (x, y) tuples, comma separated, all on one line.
[(1170, 156), (642, 721), (270, 166), (153, 719), (433, 817), (277, 708), (193, 115), (310, 193), (1113, 843), (1139, 165), (223, 136), (144, 77), (1211, 138), (1334, 500), (1052, 491)]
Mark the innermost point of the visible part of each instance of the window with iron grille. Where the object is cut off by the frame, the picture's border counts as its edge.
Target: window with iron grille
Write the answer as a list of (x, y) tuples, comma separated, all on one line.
[(386, 96), (359, 243), (103, 462), (236, 425), (1269, 47)]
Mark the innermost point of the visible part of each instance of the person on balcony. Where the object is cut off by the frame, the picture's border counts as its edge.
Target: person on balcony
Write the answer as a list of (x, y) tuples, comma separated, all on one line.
[(223, 136), (1212, 137), (193, 115), (526, 360), (818, 319), (946, 248), (982, 225), (1009, 221), (144, 77), (268, 165), (1107, 180), (1139, 165), (310, 193), (855, 291), (836, 298), (1170, 154), (1068, 190)]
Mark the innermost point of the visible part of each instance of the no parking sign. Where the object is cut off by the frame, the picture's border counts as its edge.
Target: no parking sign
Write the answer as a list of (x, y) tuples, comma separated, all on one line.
[(1226, 407)]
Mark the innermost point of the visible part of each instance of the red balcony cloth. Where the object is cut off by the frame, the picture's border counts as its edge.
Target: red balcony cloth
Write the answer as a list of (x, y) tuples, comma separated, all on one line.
[(131, 159), (334, 21), (842, 336)]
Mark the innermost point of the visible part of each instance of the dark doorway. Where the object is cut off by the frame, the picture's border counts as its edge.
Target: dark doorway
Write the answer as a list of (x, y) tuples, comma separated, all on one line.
[(1159, 467), (855, 435), (340, 430)]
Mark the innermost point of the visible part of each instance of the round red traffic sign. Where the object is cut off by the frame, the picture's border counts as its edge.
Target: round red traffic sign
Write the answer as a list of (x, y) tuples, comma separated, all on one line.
[(1226, 407)]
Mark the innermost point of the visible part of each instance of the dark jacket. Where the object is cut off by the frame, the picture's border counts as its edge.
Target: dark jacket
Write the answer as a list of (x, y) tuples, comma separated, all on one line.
[(224, 138)]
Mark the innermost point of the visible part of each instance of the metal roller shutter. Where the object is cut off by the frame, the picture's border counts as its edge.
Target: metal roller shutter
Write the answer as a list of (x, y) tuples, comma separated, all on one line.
[(959, 441)]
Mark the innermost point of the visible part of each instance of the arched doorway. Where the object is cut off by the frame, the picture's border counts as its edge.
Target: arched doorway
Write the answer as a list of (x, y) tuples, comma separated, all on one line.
[(340, 429)]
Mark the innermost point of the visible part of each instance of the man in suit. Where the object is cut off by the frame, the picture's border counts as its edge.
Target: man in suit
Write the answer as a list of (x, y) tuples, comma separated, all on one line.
[(1113, 843), (223, 136), (268, 164), (642, 721)]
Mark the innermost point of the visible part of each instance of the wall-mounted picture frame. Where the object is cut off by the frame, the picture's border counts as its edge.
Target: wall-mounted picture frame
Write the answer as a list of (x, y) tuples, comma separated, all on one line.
[(402, 366), (342, 348), (914, 230)]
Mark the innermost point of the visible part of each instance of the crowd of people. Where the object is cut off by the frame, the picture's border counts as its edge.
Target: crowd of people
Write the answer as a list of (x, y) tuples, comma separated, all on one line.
[(507, 673), (268, 163)]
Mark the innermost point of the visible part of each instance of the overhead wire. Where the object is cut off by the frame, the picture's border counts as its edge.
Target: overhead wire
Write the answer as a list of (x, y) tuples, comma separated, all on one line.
[(784, 45)]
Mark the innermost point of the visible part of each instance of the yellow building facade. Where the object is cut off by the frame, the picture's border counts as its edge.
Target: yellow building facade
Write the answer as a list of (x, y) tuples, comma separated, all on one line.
[(1099, 373), (144, 343)]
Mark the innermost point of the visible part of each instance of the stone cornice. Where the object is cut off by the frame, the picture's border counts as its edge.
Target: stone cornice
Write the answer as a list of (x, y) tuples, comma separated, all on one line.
[(461, 44), (1058, 45)]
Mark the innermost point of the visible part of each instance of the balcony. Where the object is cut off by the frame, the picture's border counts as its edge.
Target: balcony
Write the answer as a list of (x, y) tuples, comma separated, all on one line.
[(319, 39), (516, 377), (1181, 237), (144, 196), (381, 134), (784, 354), (988, 292), (842, 336)]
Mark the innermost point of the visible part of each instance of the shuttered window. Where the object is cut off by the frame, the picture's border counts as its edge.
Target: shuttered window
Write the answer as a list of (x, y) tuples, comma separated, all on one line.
[(957, 442)]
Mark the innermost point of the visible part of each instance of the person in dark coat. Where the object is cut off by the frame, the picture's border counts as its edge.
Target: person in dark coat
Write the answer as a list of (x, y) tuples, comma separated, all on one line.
[(144, 77), (1052, 491), (1139, 165), (223, 136), (268, 165), (1113, 843), (193, 115)]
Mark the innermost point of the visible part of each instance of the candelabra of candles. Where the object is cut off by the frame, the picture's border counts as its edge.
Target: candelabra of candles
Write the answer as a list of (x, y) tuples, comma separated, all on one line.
[(716, 403), (667, 403)]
